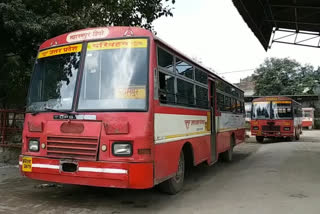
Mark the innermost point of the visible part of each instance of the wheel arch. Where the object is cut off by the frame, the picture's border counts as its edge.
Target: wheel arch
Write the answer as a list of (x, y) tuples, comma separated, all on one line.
[(188, 152)]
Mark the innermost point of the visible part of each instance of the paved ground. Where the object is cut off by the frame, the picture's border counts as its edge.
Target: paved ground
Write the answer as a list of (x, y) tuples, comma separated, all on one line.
[(282, 177)]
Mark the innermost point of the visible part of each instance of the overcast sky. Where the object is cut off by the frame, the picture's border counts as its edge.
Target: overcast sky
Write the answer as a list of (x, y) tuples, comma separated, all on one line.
[(213, 31)]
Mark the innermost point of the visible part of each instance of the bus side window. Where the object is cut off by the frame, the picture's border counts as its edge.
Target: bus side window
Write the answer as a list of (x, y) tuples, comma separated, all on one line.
[(166, 88), (220, 98), (227, 103)]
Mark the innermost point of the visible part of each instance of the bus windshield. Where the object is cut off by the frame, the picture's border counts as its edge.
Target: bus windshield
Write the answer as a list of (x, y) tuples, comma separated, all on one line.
[(54, 79), (282, 110), (115, 75), (261, 110)]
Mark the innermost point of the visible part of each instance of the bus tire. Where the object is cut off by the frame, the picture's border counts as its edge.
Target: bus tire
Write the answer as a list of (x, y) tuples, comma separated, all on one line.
[(175, 184), (227, 156), (259, 139), (297, 135)]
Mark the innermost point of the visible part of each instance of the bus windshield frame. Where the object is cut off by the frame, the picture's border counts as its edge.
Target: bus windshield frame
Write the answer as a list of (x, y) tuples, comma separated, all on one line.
[(54, 79), (138, 93)]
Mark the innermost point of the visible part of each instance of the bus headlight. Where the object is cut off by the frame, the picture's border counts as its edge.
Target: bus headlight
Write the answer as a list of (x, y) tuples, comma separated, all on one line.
[(255, 128), (286, 128), (122, 149), (34, 145)]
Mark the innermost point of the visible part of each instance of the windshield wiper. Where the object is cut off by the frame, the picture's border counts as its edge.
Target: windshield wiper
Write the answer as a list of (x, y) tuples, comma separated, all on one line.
[(59, 111)]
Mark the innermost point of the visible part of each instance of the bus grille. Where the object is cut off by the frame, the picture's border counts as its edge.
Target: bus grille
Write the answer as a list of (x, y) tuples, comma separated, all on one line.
[(76, 148), (271, 128)]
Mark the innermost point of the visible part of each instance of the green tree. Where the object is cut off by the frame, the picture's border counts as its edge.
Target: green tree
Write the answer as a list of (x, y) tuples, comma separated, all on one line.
[(25, 24), (285, 77)]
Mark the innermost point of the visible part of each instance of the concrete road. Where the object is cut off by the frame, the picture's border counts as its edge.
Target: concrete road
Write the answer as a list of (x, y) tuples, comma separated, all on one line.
[(282, 177)]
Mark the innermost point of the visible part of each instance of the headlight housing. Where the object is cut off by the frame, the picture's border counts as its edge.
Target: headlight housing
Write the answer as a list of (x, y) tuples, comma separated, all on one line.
[(122, 149), (286, 128), (34, 145)]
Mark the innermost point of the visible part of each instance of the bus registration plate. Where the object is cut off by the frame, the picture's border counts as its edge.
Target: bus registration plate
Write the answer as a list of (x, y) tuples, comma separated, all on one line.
[(27, 164)]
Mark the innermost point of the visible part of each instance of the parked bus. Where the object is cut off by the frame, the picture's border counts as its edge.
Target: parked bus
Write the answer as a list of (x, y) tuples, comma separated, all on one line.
[(308, 118), (275, 117), (118, 107)]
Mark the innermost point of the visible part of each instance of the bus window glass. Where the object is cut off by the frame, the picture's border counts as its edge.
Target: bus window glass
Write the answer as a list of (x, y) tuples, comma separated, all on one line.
[(261, 110), (306, 114), (220, 85), (239, 107), (166, 88), (202, 97), (53, 82), (165, 59), (282, 110), (220, 98), (201, 76), (233, 105), (184, 68), (227, 103), (115, 78), (185, 93)]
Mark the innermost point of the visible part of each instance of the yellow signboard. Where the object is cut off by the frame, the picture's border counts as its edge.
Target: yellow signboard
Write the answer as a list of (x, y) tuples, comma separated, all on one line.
[(282, 102), (117, 44), (272, 98), (60, 51), (132, 92), (27, 164)]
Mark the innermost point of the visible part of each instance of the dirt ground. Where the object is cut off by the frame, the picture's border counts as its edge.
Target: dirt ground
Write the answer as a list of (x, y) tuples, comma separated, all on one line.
[(281, 177)]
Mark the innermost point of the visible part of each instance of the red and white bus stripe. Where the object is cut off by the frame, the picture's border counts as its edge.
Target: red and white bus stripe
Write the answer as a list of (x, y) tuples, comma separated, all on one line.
[(82, 169)]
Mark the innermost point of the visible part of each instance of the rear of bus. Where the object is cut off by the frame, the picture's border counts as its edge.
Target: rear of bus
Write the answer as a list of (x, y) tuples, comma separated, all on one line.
[(88, 118), (273, 117), (308, 118)]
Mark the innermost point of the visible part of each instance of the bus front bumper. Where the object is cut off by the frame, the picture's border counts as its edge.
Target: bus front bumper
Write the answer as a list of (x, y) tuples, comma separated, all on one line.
[(89, 173), (272, 134)]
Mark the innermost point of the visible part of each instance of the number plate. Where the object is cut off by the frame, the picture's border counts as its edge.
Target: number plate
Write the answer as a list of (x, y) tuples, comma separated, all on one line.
[(27, 164)]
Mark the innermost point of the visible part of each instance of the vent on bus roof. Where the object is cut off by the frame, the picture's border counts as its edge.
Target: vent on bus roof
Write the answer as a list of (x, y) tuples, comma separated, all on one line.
[(75, 148)]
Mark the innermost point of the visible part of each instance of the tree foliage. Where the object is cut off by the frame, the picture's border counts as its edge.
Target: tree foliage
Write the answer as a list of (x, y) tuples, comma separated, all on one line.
[(25, 24), (285, 77)]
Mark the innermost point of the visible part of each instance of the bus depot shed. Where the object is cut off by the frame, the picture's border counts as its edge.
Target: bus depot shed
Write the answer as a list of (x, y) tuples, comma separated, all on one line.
[(295, 22)]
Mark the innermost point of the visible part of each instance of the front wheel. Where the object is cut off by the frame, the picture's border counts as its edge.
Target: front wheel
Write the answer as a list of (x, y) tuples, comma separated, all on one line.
[(174, 185), (259, 139)]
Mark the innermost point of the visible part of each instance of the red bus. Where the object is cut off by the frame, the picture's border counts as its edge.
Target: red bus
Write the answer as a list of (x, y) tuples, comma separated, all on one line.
[(308, 118), (276, 117), (118, 107)]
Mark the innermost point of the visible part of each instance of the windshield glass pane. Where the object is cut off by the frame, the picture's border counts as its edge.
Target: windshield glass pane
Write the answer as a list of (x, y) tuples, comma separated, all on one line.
[(115, 75), (282, 110), (54, 78), (261, 110), (306, 114)]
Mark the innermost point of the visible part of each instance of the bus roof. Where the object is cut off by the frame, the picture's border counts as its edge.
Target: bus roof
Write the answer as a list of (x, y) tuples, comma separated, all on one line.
[(91, 34)]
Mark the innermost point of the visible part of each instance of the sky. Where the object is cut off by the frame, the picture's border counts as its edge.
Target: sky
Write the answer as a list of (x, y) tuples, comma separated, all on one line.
[(214, 32)]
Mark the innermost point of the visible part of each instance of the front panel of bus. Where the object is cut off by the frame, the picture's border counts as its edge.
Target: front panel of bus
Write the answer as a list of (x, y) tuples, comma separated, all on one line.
[(88, 116), (272, 119)]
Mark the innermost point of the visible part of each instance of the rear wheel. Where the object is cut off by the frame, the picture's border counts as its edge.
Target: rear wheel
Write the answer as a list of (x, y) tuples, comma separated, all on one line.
[(259, 139), (297, 134), (174, 185), (227, 156)]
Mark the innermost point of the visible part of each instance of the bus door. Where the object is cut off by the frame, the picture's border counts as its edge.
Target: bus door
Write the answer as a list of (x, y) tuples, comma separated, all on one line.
[(213, 121)]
